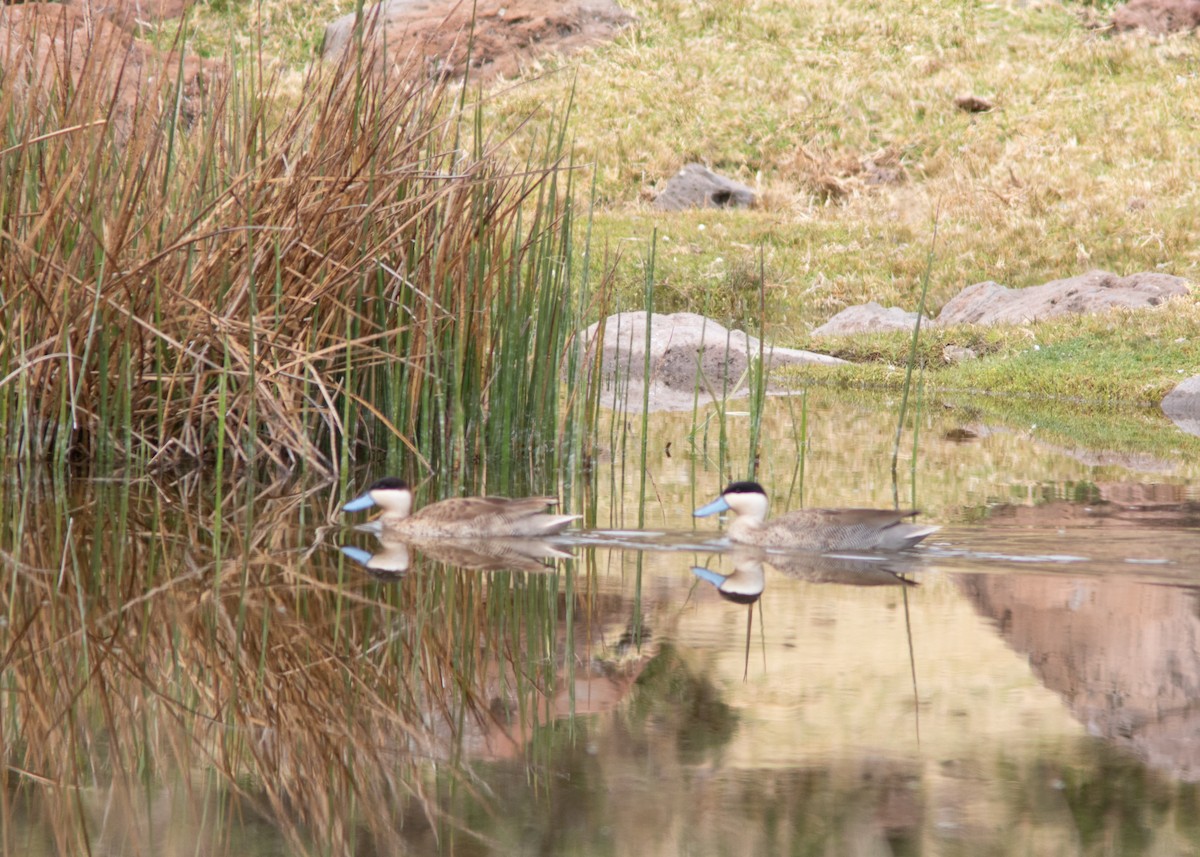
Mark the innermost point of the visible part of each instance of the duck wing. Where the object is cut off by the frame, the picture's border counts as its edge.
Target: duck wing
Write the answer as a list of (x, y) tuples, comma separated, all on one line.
[(489, 516), (849, 529), (859, 517), (463, 509)]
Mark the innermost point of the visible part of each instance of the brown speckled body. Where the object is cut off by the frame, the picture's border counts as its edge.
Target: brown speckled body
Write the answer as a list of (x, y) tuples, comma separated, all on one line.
[(831, 530), (479, 517)]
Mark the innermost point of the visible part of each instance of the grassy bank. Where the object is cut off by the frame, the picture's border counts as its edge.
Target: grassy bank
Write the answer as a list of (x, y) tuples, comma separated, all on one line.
[(1080, 165)]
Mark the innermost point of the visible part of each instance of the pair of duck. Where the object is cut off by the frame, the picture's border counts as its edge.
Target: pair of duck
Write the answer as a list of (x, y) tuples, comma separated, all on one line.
[(503, 517)]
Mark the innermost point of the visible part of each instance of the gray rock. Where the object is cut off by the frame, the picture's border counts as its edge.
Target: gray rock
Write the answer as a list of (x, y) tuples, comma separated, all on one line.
[(992, 303), (958, 353), (688, 353), (696, 186), (867, 318), (1182, 405)]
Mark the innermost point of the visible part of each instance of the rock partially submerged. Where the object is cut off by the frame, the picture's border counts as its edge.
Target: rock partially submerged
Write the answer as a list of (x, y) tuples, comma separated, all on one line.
[(696, 186), (507, 34), (1182, 405), (691, 357)]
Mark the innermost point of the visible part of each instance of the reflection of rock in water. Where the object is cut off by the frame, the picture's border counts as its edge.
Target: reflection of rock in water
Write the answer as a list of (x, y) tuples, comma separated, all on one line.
[(1124, 655), (1107, 504)]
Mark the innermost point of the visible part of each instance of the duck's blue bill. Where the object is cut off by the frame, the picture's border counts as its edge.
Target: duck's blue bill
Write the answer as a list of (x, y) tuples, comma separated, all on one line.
[(359, 555), (717, 505), (713, 577), (359, 503)]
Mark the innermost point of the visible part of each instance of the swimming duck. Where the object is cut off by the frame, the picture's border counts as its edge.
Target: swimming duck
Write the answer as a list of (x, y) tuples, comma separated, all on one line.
[(812, 529), (459, 517)]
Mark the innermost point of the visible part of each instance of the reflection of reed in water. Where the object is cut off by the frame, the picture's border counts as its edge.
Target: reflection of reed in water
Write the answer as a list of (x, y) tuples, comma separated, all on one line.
[(212, 677)]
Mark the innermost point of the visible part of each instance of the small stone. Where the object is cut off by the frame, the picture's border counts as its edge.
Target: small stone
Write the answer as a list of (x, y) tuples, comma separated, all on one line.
[(958, 353), (867, 318), (973, 104), (696, 186), (1182, 405)]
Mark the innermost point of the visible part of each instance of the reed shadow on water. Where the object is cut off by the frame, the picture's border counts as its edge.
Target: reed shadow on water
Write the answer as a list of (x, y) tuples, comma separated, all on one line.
[(160, 688)]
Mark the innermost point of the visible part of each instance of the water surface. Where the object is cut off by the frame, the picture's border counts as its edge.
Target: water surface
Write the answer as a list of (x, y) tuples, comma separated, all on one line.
[(182, 680)]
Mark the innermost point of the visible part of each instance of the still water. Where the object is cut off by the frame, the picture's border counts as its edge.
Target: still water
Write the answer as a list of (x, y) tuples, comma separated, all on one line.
[(269, 680)]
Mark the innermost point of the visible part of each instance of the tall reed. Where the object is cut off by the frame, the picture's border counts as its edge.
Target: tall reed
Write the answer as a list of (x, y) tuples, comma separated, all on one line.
[(912, 351), (277, 282)]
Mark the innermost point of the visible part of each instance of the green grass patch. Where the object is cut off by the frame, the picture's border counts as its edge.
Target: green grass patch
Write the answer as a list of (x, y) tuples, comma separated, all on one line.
[(1125, 358)]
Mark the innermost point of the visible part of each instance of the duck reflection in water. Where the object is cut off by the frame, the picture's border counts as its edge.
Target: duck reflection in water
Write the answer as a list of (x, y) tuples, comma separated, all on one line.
[(394, 557), (746, 583)]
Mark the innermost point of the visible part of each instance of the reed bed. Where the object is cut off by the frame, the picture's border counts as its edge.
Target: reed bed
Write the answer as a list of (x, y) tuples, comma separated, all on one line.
[(253, 281)]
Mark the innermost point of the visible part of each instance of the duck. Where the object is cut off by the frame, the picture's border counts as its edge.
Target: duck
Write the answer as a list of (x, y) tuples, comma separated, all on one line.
[(458, 517), (820, 530)]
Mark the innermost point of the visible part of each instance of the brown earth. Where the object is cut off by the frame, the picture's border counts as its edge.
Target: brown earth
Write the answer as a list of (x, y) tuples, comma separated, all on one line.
[(64, 58), (508, 35), (127, 14)]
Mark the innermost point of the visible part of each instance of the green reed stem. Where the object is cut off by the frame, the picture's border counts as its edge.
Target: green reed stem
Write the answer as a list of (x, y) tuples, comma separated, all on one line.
[(758, 371), (912, 465), (646, 387), (912, 350)]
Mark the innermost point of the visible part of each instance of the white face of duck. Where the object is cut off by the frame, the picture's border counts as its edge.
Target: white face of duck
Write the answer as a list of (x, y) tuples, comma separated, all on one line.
[(745, 499), (391, 494)]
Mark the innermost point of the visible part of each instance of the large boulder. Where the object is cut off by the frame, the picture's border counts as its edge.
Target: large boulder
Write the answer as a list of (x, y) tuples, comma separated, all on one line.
[(696, 186), (992, 303), (1157, 16), (507, 35), (691, 357), (129, 14), (867, 318)]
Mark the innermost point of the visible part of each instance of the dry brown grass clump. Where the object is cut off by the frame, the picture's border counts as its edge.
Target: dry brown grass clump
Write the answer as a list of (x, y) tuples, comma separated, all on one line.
[(249, 285)]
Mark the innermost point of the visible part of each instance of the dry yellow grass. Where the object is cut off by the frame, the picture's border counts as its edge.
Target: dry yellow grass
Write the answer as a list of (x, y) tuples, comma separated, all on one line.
[(1083, 163)]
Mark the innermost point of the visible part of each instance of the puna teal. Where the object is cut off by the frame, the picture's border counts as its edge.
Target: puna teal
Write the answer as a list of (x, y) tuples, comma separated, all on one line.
[(459, 517), (812, 529)]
